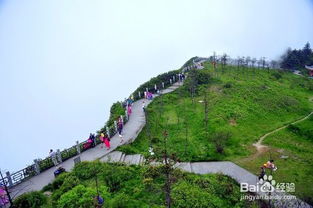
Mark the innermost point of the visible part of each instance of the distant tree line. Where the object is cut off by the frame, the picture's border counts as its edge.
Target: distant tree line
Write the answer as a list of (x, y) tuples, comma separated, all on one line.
[(297, 59)]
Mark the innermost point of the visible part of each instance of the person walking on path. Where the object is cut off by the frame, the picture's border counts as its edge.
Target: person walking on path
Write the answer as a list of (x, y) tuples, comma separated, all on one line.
[(143, 106), (129, 110), (101, 137), (120, 128), (53, 157), (107, 142)]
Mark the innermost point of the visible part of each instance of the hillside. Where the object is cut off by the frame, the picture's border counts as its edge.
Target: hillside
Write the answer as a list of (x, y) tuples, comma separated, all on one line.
[(242, 104)]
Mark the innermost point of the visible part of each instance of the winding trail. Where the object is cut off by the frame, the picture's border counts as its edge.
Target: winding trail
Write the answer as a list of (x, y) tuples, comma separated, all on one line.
[(263, 148)]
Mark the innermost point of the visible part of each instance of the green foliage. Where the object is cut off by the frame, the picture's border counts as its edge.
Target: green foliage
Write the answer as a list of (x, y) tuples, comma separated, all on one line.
[(115, 112), (81, 196), (141, 186), (189, 62), (206, 191), (115, 177), (34, 199), (302, 131), (165, 77), (86, 170), (220, 140), (292, 150), (69, 182), (277, 75)]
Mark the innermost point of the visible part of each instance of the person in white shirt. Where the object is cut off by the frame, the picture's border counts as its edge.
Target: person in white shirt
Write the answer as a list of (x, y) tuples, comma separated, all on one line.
[(53, 156)]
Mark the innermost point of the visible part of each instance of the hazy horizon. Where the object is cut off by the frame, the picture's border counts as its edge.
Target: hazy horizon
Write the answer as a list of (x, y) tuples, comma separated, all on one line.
[(63, 63)]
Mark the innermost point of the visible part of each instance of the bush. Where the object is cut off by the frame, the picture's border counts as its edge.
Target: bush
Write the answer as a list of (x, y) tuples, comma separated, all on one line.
[(293, 128), (220, 140), (165, 77), (227, 85), (124, 201), (115, 177), (86, 170), (82, 197), (69, 182), (34, 199), (115, 112), (277, 75), (57, 183), (188, 195)]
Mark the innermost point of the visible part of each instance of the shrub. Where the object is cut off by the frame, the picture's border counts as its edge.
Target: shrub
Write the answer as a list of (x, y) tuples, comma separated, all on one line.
[(115, 177), (293, 128), (220, 139), (82, 197), (86, 170), (115, 111), (69, 182), (124, 201), (34, 199), (187, 195), (277, 75), (57, 183), (227, 85)]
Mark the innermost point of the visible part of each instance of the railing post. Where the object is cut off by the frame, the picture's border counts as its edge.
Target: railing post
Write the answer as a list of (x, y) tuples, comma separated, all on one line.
[(108, 131), (77, 147), (59, 156), (115, 125), (174, 78), (171, 81), (147, 90), (139, 94), (37, 167), (9, 178), (163, 85), (155, 87)]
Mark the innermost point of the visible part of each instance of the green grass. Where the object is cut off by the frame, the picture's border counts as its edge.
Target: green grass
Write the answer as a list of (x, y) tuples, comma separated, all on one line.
[(298, 167), (247, 103), (254, 104), (141, 186)]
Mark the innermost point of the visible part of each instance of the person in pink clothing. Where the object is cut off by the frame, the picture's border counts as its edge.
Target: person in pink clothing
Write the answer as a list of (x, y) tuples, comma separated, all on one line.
[(107, 142), (129, 110)]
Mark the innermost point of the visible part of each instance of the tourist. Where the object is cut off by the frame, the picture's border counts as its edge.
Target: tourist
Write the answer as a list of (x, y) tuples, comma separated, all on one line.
[(107, 142), (120, 128), (262, 173), (270, 165), (129, 110), (102, 139), (53, 157), (98, 201), (92, 139), (143, 106)]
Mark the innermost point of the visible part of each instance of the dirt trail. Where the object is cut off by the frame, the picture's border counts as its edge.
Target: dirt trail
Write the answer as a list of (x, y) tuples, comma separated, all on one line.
[(261, 148)]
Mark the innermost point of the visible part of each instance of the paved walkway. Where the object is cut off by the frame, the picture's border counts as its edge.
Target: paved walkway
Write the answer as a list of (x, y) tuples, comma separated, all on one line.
[(131, 129)]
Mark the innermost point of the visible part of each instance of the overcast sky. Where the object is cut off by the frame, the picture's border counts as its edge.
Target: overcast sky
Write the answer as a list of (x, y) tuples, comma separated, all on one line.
[(63, 63)]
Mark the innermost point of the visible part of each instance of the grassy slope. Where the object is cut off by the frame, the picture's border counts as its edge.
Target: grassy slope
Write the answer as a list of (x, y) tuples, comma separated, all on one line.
[(135, 186), (255, 103), (298, 167)]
